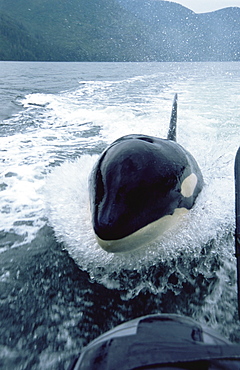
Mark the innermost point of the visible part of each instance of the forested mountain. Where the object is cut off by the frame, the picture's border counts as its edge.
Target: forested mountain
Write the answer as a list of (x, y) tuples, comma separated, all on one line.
[(180, 34), (73, 29), (115, 30)]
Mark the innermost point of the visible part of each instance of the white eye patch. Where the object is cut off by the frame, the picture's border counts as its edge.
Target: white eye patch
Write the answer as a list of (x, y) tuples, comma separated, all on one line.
[(189, 185)]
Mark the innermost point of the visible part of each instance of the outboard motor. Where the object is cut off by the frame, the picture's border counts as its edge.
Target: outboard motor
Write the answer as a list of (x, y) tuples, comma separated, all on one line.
[(159, 341)]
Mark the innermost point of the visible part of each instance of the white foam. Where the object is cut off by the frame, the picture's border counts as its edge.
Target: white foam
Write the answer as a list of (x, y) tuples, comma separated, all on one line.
[(68, 211), (55, 129)]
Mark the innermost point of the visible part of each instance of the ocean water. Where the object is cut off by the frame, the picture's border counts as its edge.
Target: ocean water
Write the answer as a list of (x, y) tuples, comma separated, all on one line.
[(58, 288)]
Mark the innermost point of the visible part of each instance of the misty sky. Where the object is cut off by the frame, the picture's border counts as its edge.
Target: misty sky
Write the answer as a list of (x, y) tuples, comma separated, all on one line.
[(202, 6)]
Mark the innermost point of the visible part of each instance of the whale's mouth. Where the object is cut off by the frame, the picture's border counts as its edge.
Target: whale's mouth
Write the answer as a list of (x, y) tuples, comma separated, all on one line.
[(144, 235)]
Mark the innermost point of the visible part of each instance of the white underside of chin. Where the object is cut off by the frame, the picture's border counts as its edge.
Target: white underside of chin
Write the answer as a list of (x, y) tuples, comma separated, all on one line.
[(144, 235)]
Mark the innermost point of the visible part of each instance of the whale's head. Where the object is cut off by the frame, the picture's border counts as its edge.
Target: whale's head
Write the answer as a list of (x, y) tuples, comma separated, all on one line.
[(138, 188)]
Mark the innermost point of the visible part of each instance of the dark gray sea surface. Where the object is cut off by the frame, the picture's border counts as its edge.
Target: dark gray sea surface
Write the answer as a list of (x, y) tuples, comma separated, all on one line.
[(58, 288)]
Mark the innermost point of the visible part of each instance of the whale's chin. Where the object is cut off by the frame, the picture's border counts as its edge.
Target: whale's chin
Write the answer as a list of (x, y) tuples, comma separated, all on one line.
[(143, 236)]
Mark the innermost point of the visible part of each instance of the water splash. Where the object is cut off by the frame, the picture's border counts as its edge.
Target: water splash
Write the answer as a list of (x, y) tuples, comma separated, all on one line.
[(211, 219)]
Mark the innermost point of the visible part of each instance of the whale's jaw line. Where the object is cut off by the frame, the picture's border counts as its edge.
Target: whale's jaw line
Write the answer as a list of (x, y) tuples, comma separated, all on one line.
[(143, 236)]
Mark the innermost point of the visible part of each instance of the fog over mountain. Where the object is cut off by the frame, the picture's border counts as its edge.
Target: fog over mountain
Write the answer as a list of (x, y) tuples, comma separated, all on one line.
[(116, 30)]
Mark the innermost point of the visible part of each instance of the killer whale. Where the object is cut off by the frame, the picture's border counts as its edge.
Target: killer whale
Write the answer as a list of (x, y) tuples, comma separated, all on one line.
[(139, 187)]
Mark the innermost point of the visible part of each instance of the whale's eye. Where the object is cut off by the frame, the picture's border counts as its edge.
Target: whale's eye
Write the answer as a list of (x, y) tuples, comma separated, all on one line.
[(148, 139)]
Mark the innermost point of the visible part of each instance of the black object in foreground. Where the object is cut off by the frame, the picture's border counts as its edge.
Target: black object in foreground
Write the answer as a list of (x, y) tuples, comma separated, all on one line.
[(159, 341), (237, 231)]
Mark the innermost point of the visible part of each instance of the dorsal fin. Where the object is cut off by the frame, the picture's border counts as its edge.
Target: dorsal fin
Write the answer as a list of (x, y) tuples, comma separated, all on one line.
[(173, 121)]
